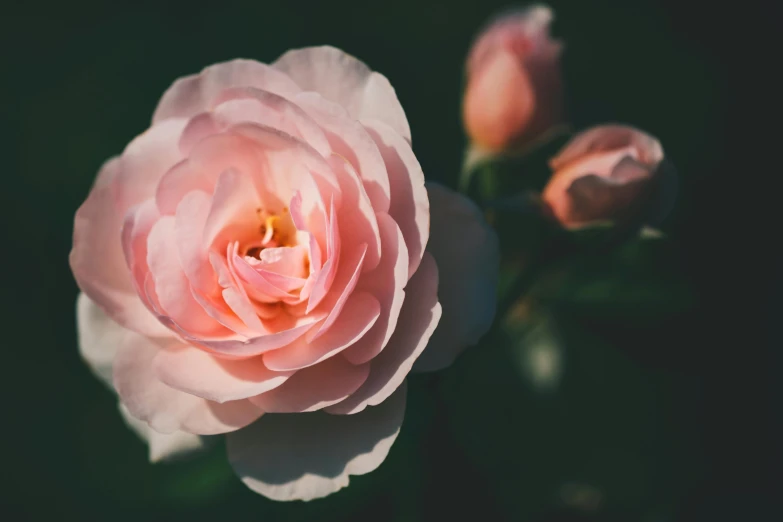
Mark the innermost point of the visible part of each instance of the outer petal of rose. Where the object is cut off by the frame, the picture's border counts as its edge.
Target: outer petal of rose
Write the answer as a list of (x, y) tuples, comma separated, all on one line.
[(165, 409), (410, 206), (145, 160), (468, 256), (606, 138), (350, 139), (196, 372), (164, 446), (311, 455), (418, 319), (315, 387), (97, 260), (193, 94), (386, 282), (343, 79), (99, 338), (359, 315)]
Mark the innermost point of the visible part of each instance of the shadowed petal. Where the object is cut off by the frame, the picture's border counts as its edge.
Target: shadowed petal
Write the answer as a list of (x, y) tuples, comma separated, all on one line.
[(305, 456)]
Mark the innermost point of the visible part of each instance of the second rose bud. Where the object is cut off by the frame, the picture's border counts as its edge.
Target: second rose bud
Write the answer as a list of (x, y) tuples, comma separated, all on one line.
[(514, 90)]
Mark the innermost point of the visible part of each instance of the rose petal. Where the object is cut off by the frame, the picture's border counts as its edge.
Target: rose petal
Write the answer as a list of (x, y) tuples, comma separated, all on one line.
[(98, 262), (145, 160), (198, 373), (604, 138), (358, 316), (410, 206), (386, 282), (311, 455), (419, 317), (467, 253), (343, 79), (165, 446), (193, 94), (349, 139), (315, 387), (165, 409)]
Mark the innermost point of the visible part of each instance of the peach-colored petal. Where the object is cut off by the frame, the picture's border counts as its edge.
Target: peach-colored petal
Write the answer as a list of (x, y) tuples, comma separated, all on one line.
[(419, 317), (349, 139), (233, 212), (167, 410), (603, 138), (386, 282), (315, 387), (172, 287), (190, 219), (467, 252), (355, 210), (165, 446), (198, 373), (98, 262), (360, 313), (193, 94), (343, 79), (344, 283), (311, 455), (324, 279), (410, 206), (257, 345), (145, 160)]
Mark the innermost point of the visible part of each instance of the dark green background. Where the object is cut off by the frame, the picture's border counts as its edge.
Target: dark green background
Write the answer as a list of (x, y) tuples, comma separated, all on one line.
[(679, 422)]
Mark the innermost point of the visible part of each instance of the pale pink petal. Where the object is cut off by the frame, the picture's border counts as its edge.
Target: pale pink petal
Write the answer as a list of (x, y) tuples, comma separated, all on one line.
[(145, 160), (198, 373), (386, 282), (410, 206), (349, 139), (466, 250), (165, 409), (344, 283), (357, 318), (260, 344), (311, 455), (191, 95), (284, 261), (343, 79), (99, 338), (165, 447), (314, 388), (98, 262), (200, 171), (245, 104), (356, 212), (419, 317), (172, 287), (190, 218), (255, 284), (323, 281), (233, 213)]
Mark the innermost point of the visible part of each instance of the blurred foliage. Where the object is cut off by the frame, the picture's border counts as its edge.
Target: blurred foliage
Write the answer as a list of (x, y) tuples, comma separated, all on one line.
[(634, 408)]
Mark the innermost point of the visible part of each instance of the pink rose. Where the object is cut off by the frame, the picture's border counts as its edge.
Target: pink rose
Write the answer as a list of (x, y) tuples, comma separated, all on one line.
[(609, 173), (513, 91), (268, 247)]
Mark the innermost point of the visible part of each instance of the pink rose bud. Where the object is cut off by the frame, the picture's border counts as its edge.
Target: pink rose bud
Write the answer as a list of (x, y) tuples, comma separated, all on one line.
[(514, 89), (609, 173)]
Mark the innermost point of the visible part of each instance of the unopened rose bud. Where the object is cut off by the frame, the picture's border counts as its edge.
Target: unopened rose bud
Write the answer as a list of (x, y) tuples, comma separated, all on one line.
[(609, 173), (513, 91)]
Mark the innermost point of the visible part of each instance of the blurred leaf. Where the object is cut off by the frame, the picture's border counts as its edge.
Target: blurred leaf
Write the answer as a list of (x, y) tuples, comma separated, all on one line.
[(611, 437)]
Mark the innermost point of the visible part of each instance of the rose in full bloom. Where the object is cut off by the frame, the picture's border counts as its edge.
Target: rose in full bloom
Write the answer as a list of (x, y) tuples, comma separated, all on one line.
[(610, 173), (265, 261), (513, 91)]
